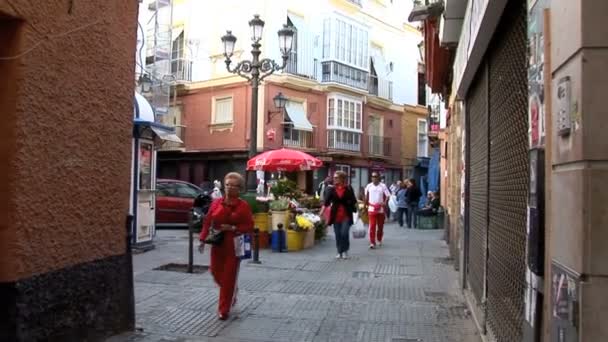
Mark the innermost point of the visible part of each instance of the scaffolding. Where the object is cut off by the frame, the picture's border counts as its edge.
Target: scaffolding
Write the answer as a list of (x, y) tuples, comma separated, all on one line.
[(158, 55)]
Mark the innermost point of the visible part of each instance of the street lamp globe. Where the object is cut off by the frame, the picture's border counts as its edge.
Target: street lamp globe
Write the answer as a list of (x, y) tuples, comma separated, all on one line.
[(286, 39), (229, 40), (280, 101), (257, 27)]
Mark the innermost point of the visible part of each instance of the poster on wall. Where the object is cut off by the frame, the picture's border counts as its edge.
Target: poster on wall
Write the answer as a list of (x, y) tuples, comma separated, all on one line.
[(145, 166), (536, 65)]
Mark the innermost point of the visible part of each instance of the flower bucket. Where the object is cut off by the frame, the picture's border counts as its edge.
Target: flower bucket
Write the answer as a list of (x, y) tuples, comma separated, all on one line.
[(264, 239), (279, 217), (261, 221), (309, 238), (295, 240)]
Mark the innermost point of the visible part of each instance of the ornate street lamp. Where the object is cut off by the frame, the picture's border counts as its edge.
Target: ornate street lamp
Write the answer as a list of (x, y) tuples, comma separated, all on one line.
[(256, 70)]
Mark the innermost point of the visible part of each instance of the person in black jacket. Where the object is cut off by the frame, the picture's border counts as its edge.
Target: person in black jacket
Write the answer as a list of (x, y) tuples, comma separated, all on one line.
[(342, 204), (413, 196)]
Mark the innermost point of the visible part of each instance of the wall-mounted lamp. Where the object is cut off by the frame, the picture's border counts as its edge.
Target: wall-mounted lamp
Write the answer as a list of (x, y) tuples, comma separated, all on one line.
[(145, 83), (279, 103)]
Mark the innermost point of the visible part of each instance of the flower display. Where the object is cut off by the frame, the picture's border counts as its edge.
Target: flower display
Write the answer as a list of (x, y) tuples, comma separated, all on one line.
[(304, 223)]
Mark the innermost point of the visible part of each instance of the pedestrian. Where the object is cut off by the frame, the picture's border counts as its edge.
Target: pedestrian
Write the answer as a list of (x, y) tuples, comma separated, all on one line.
[(432, 204), (232, 217), (395, 187), (323, 188), (342, 204), (413, 196), (217, 190), (401, 203), (376, 199)]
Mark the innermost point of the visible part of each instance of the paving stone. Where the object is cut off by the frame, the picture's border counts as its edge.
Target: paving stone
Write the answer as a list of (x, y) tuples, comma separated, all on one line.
[(406, 291)]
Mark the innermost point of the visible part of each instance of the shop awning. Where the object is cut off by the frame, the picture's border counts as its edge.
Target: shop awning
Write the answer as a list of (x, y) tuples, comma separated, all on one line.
[(297, 115), (166, 135), (143, 118)]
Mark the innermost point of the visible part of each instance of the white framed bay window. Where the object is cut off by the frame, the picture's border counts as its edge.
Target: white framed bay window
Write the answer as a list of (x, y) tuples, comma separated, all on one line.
[(344, 123), (423, 138)]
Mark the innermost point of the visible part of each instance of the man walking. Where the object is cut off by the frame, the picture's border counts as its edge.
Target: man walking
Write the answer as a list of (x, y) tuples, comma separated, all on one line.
[(376, 198)]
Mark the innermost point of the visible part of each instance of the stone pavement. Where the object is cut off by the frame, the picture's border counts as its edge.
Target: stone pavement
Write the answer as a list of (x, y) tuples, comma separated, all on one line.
[(406, 291)]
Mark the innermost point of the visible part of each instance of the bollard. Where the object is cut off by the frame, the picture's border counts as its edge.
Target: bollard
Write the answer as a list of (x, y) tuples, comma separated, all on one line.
[(256, 246), (281, 236), (190, 246)]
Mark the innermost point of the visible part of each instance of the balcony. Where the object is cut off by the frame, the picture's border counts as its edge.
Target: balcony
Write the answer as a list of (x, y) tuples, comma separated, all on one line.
[(181, 69), (292, 63), (380, 87), (343, 140), (332, 71), (379, 146), (294, 138)]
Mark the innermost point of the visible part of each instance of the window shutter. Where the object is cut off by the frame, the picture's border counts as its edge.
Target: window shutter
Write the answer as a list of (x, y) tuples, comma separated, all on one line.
[(223, 110)]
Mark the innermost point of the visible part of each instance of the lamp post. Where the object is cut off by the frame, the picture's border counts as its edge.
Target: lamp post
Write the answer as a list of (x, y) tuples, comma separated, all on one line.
[(256, 70)]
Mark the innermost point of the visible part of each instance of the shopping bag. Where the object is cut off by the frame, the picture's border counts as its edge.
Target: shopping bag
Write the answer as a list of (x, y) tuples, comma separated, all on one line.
[(359, 230), (392, 203), (326, 214), (242, 246)]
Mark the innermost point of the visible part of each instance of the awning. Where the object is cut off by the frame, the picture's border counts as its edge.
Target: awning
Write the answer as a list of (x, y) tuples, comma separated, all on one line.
[(297, 115), (163, 132), (166, 135)]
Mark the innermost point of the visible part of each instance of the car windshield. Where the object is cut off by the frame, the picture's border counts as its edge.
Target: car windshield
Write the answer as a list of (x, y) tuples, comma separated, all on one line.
[(184, 190)]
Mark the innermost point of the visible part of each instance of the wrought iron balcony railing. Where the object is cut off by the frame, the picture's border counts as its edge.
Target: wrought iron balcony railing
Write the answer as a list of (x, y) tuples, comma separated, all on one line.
[(332, 71), (343, 140), (297, 139)]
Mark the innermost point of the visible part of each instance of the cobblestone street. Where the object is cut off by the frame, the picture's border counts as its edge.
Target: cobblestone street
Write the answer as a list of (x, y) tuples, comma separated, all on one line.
[(406, 291)]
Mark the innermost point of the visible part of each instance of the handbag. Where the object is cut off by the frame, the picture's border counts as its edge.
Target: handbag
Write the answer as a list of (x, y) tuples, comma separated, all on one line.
[(242, 246), (215, 237)]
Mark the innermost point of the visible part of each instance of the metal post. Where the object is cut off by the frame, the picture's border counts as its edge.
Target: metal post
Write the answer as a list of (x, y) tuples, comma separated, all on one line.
[(253, 129), (190, 246), (256, 246)]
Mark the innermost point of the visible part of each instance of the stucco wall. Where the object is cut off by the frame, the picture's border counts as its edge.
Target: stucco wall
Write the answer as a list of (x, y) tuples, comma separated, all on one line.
[(201, 135), (409, 135), (69, 130), (392, 130)]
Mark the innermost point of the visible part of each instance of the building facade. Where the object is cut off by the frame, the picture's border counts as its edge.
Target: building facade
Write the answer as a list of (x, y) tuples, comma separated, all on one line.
[(353, 67), (67, 105), (524, 161)]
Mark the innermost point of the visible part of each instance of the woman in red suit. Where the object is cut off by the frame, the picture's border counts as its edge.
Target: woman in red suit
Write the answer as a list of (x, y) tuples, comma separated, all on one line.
[(233, 217)]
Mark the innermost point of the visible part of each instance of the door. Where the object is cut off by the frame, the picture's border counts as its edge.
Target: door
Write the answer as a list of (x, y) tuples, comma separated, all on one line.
[(184, 200)]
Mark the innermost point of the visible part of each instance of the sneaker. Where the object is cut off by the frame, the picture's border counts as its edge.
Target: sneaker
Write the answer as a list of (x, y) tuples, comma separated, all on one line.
[(345, 255), (339, 256), (372, 246), (379, 243)]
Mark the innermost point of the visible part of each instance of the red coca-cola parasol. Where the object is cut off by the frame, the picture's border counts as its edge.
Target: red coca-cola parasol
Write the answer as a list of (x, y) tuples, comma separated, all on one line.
[(283, 160)]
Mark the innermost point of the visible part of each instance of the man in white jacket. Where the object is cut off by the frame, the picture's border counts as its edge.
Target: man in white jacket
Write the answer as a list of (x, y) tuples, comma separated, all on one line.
[(376, 198)]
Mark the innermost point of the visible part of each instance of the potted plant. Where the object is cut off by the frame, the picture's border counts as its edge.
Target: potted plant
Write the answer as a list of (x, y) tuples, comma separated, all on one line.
[(305, 224), (279, 210), (285, 188)]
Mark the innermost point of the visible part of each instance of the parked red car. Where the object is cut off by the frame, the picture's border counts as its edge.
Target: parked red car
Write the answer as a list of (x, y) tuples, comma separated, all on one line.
[(174, 200)]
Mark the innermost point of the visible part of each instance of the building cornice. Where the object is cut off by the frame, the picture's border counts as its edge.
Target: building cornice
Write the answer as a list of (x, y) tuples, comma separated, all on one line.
[(381, 103), (416, 110)]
